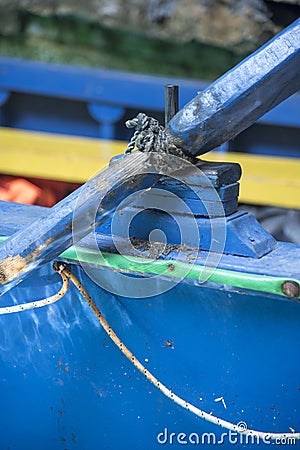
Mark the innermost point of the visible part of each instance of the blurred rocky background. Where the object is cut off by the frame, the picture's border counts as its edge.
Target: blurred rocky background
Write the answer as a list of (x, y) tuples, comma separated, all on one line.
[(190, 38)]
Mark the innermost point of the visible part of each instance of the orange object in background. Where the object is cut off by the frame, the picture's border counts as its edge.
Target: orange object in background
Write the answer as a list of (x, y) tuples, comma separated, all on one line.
[(18, 190), (34, 191)]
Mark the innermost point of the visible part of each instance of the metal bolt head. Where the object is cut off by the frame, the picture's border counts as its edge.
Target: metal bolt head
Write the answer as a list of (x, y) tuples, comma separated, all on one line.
[(291, 289)]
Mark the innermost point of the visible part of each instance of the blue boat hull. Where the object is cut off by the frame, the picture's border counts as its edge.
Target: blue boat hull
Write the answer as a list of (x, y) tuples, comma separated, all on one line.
[(65, 385)]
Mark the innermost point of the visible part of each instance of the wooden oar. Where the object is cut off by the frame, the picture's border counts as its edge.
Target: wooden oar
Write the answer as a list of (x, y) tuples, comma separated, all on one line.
[(241, 96), (224, 109), (44, 239)]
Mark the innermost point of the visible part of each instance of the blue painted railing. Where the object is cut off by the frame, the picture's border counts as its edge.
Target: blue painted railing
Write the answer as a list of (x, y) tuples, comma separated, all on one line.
[(96, 103), (77, 100)]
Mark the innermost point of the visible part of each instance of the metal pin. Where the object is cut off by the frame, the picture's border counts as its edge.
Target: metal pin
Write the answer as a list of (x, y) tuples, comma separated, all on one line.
[(171, 102)]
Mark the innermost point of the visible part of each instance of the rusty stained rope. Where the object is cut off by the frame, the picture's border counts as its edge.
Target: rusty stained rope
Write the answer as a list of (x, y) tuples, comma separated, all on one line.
[(66, 273)]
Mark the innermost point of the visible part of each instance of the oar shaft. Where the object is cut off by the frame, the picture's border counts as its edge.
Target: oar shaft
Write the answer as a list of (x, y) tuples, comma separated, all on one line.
[(241, 96), (44, 239)]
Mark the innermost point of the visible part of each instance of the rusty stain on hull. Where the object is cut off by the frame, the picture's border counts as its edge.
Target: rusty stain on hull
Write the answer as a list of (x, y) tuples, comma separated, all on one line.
[(13, 265), (10, 266)]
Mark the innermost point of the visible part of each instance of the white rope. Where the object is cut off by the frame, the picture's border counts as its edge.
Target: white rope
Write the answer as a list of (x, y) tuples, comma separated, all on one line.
[(166, 391), (45, 301), (67, 275)]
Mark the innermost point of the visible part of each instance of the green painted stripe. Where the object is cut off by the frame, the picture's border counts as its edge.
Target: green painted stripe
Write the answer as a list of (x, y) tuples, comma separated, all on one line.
[(177, 269)]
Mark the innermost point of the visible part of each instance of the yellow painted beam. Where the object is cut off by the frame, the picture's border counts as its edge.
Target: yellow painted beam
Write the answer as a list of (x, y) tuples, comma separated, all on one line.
[(266, 180), (54, 157)]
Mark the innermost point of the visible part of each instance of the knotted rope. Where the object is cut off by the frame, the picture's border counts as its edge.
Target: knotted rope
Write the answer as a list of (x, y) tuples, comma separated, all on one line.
[(150, 136)]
